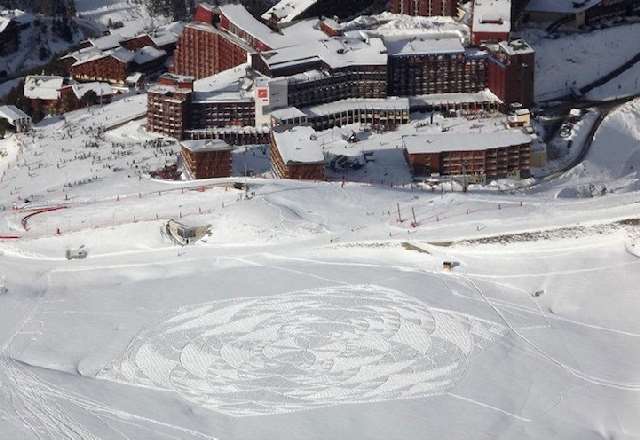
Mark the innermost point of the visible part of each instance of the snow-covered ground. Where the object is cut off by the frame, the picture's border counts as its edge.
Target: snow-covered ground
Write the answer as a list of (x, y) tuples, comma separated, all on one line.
[(38, 36), (133, 15), (311, 311), (569, 62), (627, 84)]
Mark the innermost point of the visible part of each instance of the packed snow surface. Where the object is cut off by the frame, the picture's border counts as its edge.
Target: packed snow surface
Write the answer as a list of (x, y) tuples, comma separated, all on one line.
[(572, 61), (314, 310)]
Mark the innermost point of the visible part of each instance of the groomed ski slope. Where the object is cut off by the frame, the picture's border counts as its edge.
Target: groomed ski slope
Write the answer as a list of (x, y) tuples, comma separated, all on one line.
[(311, 312)]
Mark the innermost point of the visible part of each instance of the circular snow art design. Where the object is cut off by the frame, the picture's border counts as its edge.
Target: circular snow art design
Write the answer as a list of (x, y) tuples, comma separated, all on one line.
[(306, 349)]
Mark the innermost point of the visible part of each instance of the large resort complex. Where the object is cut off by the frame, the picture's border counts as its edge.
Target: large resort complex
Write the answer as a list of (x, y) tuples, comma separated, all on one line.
[(244, 81)]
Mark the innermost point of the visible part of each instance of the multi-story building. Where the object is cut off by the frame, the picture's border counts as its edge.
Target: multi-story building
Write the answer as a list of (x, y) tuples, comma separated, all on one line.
[(511, 68), (206, 159), (55, 94), (203, 50), (206, 109), (219, 38), (424, 7), (304, 67), (422, 66), (168, 104), (114, 65), (491, 21), (296, 154), (383, 114), (333, 69), (493, 155)]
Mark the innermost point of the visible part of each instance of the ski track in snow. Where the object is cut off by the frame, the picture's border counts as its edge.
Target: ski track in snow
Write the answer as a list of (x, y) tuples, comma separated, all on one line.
[(571, 370), (44, 410)]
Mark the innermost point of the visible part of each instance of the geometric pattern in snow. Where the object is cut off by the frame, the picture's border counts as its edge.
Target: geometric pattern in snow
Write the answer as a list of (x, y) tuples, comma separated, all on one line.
[(305, 349)]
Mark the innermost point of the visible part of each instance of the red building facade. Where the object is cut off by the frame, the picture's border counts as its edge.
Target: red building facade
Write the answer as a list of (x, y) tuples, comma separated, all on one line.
[(107, 68), (510, 72), (204, 51), (503, 162)]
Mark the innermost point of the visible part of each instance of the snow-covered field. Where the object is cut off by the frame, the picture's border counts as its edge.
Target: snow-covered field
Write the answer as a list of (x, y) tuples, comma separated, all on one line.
[(311, 311), (38, 44)]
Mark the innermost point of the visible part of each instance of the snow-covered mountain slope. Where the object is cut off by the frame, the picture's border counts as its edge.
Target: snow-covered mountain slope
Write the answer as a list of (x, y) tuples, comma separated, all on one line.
[(614, 157), (311, 311), (569, 62)]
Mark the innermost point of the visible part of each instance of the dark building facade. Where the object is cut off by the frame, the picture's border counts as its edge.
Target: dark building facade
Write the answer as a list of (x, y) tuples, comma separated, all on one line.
[(423, 74), (173, 109), (351, 82), (424, 7), (501, 162)]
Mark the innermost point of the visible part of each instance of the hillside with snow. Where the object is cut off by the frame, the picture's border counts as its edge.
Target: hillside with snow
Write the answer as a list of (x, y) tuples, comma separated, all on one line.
[(613, 162), (312, 310), (570, 62)]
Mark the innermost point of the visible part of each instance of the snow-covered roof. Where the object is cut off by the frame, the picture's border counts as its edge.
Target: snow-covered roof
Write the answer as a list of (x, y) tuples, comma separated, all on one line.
[(122, 54), (239, 16), (492, 16), (308, 75), (424, 45), (134, 77), (106, 42), (287, 10), (12, 114), (441, 142), (392, 103), (164, 38), (437, 99), (204, 145), (147, 54), (43, 87), (334, 52), (85, 54), (299, 145), (561, 6), (228, 85), (513, 47), (288, 113), (99, 88), (91, 54)]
